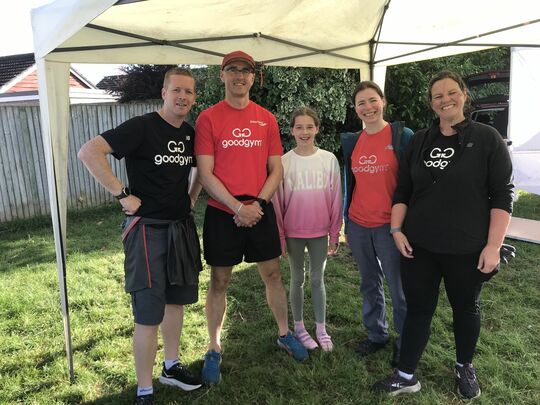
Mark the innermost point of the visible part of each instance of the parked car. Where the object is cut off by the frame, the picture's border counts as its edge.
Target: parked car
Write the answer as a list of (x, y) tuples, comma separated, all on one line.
[(489, 92)]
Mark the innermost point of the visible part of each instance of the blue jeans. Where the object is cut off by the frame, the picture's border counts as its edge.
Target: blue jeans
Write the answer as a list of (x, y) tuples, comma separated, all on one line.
[(377, 258)]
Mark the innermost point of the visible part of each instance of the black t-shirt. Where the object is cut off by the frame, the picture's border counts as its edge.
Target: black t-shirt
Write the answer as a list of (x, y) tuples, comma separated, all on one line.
[(440, 154), (159, 158)]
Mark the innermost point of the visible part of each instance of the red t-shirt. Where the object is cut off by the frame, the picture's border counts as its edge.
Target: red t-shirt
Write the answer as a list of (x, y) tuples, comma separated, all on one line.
[(241, 140), (375, 167)]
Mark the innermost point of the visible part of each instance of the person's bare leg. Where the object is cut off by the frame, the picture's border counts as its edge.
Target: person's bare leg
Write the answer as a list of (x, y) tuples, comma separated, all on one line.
[(171, 330), (275, 293), (216, 304), (144, 352)]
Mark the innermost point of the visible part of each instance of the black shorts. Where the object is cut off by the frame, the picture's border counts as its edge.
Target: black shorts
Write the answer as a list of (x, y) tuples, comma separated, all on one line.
[(226, 244), (146, 251)]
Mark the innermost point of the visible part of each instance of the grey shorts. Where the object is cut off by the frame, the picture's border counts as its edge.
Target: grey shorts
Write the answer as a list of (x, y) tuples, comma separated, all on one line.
[(146, 250), (148, 304)]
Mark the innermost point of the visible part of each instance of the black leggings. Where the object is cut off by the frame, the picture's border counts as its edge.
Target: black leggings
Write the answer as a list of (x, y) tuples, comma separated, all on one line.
[(421, 277)]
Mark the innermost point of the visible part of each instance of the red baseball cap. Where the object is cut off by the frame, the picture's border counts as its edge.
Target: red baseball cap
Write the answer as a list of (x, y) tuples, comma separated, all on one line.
[(237, 55)]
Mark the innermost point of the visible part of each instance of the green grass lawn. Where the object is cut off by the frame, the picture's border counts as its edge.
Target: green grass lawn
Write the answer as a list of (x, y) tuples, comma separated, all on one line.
[(33, 367)]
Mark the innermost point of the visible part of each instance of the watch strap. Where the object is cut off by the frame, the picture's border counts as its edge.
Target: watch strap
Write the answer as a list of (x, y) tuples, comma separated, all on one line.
[(262, 202), (125, 192)]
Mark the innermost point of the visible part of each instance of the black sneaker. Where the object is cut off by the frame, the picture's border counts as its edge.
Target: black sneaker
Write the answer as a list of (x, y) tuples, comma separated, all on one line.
[(467, 383), (395, 355), (367, 347), (145, 400), (395, 385), (179, 376)]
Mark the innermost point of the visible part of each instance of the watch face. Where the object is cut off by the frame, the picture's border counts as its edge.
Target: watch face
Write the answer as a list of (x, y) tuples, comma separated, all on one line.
[(125, 192)]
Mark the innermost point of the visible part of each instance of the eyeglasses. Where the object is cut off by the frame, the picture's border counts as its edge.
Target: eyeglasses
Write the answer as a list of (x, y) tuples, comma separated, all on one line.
[(234, 70)]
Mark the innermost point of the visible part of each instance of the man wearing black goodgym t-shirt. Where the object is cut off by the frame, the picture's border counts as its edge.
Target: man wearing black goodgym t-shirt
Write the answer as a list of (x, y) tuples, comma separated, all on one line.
[(160, 242)]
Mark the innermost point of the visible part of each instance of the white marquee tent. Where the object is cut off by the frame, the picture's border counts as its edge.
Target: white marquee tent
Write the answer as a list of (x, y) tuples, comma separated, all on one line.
[(524, 130), (361, 34)]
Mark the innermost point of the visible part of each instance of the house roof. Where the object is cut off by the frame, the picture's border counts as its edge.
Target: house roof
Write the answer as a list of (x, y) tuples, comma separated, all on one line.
[(18, 83), (18, 69), (13, 65)]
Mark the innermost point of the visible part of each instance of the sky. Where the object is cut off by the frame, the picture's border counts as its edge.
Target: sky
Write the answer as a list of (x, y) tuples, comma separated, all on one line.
[(16, 36)]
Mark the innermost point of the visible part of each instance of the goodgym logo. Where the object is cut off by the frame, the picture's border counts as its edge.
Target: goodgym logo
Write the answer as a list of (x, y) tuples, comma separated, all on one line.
[(367, 164), (241, 140), (367, 160), (241, 133)]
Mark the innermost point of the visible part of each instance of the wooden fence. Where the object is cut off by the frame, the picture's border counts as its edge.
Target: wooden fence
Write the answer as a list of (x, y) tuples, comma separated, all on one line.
[(23, 175)]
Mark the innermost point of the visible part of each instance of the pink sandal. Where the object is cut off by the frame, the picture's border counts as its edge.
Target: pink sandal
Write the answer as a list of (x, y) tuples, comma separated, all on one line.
[(325, 341), (306, 340)]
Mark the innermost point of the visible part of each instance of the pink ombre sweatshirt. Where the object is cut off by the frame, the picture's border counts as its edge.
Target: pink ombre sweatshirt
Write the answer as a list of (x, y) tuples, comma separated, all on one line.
[(308, 202)]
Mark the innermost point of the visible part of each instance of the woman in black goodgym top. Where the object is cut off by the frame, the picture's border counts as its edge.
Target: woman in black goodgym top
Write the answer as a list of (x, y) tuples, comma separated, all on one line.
[(450, 212)]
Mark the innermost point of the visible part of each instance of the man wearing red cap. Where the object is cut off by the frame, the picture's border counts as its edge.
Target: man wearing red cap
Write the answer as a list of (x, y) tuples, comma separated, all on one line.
[(239, 150)]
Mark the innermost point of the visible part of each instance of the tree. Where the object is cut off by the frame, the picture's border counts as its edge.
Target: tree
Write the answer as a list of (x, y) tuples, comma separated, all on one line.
[(325, 90), (141, 82), (407, 84), (283, 89)]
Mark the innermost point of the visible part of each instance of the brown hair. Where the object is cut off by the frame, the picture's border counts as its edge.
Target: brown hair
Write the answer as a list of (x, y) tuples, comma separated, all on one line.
[(366, 84), (305, 111), (176, 71), (447, 74)]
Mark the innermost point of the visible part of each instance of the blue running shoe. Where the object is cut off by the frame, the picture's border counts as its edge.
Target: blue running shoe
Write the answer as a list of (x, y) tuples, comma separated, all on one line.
[(210, 371), (293, 347)]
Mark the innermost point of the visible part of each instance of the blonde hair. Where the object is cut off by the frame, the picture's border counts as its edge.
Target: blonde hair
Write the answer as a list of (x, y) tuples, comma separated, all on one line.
[(176, 71)]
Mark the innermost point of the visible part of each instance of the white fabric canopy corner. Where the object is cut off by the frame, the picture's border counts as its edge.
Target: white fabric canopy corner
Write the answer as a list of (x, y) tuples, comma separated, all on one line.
[(361, 34), (54, 110), (524, 128)]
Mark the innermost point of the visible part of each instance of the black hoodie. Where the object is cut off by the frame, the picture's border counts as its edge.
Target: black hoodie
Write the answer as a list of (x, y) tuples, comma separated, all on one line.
[(451, 214)]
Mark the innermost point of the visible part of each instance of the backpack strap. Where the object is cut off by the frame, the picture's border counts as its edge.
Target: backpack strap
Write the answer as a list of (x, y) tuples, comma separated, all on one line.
[(397, 133), (348, 142)]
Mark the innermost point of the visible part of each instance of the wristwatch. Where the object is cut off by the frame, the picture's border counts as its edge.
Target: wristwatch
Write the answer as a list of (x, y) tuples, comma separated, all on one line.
[(262, 202), (125, 192)]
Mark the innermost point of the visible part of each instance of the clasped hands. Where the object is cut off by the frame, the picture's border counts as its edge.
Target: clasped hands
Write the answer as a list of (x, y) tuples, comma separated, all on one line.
[(248, 215)]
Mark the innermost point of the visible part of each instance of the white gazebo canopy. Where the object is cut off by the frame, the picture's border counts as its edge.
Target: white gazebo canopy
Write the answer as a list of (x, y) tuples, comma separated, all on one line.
[(360, 34)]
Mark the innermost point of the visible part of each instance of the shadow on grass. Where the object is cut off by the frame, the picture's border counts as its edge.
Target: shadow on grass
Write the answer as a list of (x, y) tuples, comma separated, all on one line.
[(127, 396), (22, 254), (31, 242), (256, 370), (50, 358)]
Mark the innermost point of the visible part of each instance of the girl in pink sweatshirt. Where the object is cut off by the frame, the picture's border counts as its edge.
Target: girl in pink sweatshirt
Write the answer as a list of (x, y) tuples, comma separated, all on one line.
[(308, 207)]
